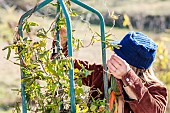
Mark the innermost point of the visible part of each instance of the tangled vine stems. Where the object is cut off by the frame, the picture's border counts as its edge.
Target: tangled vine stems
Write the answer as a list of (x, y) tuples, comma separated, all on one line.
[(47, 81)]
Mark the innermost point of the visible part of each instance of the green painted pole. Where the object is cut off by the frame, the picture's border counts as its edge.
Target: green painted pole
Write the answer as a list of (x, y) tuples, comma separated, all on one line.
[(58, 37), (70, 54), (102, 30)]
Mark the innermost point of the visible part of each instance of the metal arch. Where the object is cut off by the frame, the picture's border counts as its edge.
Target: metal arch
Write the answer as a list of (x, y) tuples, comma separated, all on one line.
[(70, 52)]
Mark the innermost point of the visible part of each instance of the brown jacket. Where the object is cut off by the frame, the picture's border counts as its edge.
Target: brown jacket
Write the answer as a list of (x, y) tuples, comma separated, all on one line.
[(151, 97)]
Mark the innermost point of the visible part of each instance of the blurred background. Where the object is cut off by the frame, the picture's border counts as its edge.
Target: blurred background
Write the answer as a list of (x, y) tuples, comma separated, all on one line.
[(151, 17)]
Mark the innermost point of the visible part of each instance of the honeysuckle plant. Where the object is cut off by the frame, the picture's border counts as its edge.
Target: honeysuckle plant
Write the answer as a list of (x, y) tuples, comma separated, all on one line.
[(47, 80)]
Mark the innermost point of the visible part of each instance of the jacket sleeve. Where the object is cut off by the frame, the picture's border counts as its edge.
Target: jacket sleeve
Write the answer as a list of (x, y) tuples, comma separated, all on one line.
[(95, 79), (151, 97)]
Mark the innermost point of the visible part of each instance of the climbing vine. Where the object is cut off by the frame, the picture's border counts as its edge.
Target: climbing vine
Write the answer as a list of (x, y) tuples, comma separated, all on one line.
[(47, 80)]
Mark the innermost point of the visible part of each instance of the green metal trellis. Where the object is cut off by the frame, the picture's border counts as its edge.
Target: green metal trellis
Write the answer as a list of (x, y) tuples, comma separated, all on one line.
[(70, 51)]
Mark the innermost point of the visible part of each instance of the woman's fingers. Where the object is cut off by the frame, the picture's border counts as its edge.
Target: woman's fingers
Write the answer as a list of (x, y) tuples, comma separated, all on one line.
[(115, 72), (111, 67), (118, 59), (115, 63), (117, 66)]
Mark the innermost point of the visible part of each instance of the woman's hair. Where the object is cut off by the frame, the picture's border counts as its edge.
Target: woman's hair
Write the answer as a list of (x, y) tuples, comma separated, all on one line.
[(147, 75)]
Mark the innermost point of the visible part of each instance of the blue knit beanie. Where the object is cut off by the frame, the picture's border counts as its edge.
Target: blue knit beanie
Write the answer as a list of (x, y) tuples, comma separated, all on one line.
[(137, 50)]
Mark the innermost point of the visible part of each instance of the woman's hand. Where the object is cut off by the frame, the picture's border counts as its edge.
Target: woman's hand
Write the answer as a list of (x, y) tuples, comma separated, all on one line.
[(63, 36), (117, 66)]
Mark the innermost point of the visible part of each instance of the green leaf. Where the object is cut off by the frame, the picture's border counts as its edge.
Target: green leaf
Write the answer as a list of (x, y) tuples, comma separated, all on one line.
[(15, 90), (87, 72), (110, 39), (98, 90), (43, 54), (110, 90), (108, 35), (54, 4), (9, 53), (42, 43), (73, 14), (27, 40), (97, 34), (33, 24), (57, 109), (62, 22), (41, 35), (50, 69), (79, 82), (33, 66), (79, 91), (6, 47), (27, 27), (93, 107)]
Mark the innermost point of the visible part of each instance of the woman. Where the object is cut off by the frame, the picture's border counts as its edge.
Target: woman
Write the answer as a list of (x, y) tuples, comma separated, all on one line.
[(131, 65)]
